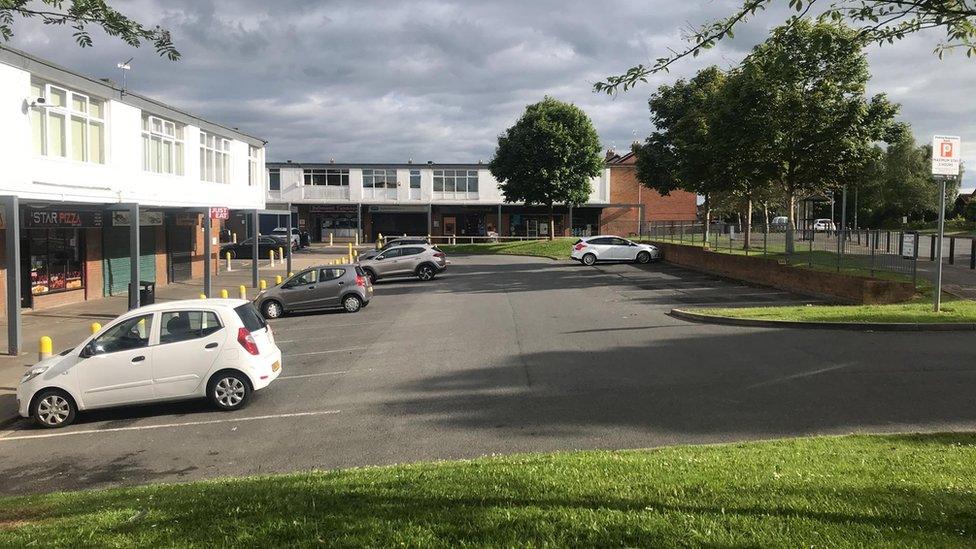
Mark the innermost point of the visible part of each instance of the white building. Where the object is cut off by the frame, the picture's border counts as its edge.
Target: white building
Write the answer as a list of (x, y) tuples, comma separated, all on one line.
[(79, 155)]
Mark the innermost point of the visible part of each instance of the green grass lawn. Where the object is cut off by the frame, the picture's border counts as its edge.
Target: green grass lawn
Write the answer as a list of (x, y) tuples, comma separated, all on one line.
[(855, 491), (917, 311), (558, 248)]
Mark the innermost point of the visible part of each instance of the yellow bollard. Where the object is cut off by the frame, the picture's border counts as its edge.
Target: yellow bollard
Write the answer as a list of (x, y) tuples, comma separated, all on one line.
[(291, 274), (203, 296), (229, 269), (357, 239), (223, 293), (271, 256), (277, 279), (330, 240), (264, 284), (95, 327), (44, 348), (355, 254), (350, 248), (281, 252), (243, 291), (234, 237)]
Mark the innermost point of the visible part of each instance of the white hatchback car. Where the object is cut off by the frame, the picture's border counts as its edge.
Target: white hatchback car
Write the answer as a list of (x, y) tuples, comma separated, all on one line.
[(221, 349), (591, 249)]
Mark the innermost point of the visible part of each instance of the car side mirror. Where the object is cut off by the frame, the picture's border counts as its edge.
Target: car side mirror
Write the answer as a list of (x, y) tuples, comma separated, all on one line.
[(87, 351), (379, 258)]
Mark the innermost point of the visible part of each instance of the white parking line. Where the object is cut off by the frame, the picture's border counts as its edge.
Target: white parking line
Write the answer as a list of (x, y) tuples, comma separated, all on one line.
[(320, 374), (169, 425), (350, 349), (284, 330)]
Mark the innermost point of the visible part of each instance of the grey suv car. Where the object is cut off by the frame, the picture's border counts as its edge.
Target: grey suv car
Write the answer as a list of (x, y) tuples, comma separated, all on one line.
[(395, 241), (323, 287), (421, 260)]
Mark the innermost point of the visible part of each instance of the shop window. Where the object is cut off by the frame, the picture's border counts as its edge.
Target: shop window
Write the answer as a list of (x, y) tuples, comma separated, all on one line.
[(54, 260)]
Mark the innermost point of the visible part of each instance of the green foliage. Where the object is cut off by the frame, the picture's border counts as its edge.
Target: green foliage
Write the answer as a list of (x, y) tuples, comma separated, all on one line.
[(548, 156), (852, 491), (80, 15), (969, 212), (875, 21)]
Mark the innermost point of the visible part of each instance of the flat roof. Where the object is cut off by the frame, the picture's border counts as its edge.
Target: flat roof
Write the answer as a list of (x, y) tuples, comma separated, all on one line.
[(50, 71), (376, 165)]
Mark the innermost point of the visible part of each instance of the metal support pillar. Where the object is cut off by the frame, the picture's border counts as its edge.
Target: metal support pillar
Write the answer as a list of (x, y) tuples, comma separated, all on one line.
[(430, 220), (499, 220), (255, 249), (570, 224), (288, 249), (134, 254), (11, 218), (359, 222), (207, 253)]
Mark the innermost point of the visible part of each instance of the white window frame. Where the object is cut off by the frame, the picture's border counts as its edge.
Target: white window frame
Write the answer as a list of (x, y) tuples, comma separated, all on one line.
[(68, 112), (253, 161), (453, 175), (215, 153), (310, 176), (161, 133)]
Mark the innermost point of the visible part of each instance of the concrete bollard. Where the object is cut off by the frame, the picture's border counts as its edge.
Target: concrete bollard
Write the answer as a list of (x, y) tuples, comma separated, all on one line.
[(428, 238), (233, 237), (44, 347), (379, 241), (277, 280), (229, 268), (357, 239), (224, 294), (95, 327), (271, 256), (263, 284), (242, 291), (330, 240)]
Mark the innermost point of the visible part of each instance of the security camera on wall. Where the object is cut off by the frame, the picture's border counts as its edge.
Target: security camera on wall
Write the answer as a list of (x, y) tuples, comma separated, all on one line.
[(39, 102)]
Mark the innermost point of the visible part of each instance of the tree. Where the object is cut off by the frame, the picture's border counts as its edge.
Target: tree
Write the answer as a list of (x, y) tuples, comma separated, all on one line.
[(807, 82), (680, 153), (82, 14), (876, 21), (548, 157)]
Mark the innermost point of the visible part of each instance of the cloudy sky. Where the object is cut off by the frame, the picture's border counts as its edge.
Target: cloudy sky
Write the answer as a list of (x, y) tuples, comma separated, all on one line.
[(437, 80)]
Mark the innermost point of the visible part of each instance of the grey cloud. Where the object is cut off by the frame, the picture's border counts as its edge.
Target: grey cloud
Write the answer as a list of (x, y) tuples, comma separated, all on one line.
[(439, 80)]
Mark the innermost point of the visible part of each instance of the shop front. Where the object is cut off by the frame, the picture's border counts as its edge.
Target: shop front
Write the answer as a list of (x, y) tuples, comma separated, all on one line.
[(53, 254), (115, 249), (390, 220), (339, 220)]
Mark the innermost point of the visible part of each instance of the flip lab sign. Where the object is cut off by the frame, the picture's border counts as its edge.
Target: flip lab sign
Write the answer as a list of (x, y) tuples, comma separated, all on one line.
[(946, 151)]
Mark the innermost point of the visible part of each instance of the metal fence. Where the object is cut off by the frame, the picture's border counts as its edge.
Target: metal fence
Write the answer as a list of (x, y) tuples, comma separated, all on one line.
[(864, 251)]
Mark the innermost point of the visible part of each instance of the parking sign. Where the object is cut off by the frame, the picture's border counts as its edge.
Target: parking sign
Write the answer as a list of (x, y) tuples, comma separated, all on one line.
[(946, 151)]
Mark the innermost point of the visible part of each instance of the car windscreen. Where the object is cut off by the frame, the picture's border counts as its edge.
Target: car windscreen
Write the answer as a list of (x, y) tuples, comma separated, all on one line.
[(360, 271), (250, 316)]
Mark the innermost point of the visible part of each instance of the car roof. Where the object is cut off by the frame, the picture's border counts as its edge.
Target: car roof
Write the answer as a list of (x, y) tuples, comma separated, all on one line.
[(213, 302), (601, 236)]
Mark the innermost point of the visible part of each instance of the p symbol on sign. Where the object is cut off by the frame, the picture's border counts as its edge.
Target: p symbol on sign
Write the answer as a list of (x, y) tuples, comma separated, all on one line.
[(946, 149)]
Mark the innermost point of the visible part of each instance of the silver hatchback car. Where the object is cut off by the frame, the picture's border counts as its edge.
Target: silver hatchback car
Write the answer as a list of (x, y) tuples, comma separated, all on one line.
[(323, 287), (421, 260)]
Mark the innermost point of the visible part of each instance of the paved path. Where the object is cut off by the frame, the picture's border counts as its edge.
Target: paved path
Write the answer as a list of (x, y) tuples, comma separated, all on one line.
[(512, 355)]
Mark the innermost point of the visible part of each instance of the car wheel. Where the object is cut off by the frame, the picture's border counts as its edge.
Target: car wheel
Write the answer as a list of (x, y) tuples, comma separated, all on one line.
[(272, 309), (589, 260), (229, 390), (352, 303), (53, 408), (371, 276), (643, 257), (425, 272)]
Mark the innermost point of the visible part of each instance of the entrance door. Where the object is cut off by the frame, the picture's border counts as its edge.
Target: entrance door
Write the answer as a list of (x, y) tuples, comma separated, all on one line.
[(115, 264), (450, 225), (179, 251)]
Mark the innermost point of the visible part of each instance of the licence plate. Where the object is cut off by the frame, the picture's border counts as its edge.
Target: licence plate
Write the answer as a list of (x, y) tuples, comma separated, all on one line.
[(276, 366)]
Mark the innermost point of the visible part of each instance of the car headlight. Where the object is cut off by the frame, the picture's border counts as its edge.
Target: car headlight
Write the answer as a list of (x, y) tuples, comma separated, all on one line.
[(33, 372)]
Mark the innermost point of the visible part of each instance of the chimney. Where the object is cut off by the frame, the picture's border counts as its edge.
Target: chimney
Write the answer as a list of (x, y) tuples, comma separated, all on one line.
[(611, 154)]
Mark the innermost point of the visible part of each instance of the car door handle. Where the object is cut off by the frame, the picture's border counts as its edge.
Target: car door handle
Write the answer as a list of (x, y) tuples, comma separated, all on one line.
[(211, 345), (138, 359), (341, 283), (311, 287)]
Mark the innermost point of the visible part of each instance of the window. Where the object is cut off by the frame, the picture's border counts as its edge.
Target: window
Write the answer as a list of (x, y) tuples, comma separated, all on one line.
[(379, 179), (70, 125), (274, 179), (124, 336), (391, 253), (179, 326), (410, 251), (331, 176), (253, 163), (214, 158), (55, 260), (414, 179), (331, 274), (460, 182), (162, 145), (250, 317), (308, 277)]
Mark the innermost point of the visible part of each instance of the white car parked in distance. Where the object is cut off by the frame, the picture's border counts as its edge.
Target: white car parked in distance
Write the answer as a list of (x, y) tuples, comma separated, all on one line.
[(221, 349), (591, 249)]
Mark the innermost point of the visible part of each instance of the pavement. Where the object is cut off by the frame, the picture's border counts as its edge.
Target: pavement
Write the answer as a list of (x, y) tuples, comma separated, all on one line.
[(515, 354)]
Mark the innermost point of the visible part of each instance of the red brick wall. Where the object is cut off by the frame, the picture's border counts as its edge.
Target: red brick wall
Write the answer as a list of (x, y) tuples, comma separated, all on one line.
[(626, 189)]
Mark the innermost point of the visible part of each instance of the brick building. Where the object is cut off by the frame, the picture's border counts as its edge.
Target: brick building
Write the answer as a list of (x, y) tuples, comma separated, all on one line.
[(626, 192)]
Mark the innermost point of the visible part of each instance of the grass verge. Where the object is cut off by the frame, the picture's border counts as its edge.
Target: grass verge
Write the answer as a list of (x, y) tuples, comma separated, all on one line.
[(954, 310), (896, 491), (558, 248)]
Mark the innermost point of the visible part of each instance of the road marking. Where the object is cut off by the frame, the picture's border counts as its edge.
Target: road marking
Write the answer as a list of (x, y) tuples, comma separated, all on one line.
[(298, 376), (350, 349), (330, 326), (796, 376), (170, 425)]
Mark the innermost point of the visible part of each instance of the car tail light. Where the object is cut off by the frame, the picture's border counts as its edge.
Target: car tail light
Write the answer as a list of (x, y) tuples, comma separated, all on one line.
[(580, 246), (360, 281), (439, 254), (246, 341)]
